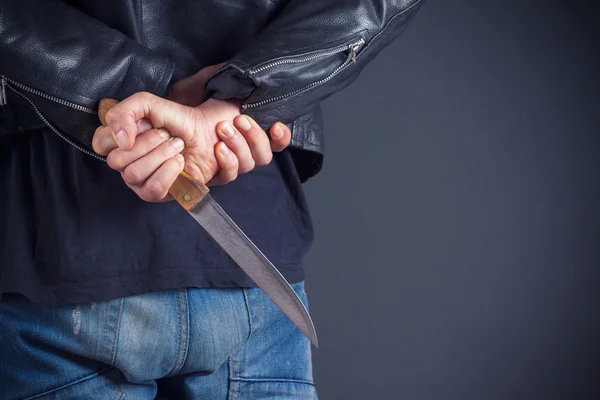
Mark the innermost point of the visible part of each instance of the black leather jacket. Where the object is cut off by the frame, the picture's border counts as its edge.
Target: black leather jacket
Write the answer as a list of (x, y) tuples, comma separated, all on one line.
[(59, 58)]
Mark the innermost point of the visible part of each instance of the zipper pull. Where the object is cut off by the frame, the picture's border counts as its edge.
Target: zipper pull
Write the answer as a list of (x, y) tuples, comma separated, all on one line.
[(352, 51), (3, 99)]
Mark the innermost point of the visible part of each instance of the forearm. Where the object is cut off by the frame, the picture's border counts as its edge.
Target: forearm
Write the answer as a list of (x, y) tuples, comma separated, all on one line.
[(65, 61)]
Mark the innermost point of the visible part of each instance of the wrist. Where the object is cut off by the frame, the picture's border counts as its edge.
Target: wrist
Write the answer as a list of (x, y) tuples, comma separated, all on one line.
[(213, 111), (220, 110)]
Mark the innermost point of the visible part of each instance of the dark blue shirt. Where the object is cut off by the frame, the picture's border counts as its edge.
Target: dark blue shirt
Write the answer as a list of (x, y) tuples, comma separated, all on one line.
[(71, 231)]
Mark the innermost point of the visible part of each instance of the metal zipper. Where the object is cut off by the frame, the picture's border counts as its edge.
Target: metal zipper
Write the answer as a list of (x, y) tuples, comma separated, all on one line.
[(352, 50), (12, 83), (323, 53), (3, 99), (48, 97)]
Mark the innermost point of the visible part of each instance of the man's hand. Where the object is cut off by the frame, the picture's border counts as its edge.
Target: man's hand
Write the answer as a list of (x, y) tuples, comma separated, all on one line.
[(196, 139)]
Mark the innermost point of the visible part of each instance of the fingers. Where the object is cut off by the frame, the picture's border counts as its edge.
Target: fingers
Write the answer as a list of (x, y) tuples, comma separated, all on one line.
[(156, 187), (256, 139), (103, 141), (122, 118), (248, 149), (281, 137), (152, 164), (119, 159), (138, 172), (238, 145), (228, 163)]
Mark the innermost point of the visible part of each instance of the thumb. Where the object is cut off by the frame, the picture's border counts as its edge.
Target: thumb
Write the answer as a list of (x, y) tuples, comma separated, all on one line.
[(280, 137), (123, 117)]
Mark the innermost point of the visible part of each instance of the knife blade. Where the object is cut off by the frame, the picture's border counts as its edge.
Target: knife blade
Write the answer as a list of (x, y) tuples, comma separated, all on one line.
[(194, 197)]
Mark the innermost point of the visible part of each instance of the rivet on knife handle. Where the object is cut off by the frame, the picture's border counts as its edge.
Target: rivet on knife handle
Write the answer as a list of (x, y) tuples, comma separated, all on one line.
[(186, 190)]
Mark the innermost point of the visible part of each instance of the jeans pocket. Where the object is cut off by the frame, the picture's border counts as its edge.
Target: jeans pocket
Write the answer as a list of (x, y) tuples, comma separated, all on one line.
[(47, 347)]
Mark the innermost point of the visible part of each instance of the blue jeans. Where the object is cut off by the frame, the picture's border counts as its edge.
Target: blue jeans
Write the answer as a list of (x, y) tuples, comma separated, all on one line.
[(179, 344)]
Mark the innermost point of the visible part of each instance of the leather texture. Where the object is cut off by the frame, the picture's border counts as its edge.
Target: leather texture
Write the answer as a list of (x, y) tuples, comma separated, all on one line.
[(282, 57)]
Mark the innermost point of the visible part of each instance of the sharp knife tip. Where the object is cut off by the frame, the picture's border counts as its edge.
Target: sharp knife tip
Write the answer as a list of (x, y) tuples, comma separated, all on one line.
[(312, 337)]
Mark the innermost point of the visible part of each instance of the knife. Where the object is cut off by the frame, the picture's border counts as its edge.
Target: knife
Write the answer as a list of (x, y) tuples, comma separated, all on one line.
[(194, 197)]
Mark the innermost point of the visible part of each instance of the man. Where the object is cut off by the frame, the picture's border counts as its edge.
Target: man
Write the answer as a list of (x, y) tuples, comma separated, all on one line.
[(108, 289)]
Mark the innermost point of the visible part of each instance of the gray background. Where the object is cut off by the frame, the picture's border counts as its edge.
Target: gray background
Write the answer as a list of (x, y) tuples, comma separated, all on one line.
[(457, 226)]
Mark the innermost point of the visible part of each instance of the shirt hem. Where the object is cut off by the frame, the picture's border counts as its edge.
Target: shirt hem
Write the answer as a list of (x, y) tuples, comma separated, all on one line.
[(124, 286)]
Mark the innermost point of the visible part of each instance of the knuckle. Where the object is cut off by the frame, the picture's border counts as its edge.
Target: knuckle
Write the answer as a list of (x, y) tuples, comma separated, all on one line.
[(133, 175), (95, 144), (144, 196), (231, 177), (115, 160), (247, 167), (156, 190), (150, 140), (142, 96), (265, 158), (110, 114), (227, 175)]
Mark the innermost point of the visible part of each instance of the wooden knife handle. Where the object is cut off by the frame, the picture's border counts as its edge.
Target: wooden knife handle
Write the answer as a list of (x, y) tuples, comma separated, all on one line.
[(186, 190)]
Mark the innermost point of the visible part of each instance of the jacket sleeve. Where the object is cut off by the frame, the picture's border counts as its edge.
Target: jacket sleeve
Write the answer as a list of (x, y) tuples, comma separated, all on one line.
[(64, 60), (311, 50)]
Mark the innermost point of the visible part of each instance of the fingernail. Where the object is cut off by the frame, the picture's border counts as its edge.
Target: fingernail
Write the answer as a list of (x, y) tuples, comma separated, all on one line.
[(224, 150), (177, 143), (244, 123), (179, 158), (121, 137), (163, 133), (277, 131), (143, 125), (227, 129)]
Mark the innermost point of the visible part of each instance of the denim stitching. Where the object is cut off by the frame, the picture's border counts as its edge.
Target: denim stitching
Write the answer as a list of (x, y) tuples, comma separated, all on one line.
[(239, 373), (174, 369), (172, 372), (179, 332), (231, 393), (283, 380), (119, 390), (249, 313), (237, 383), (235, 394), (261, 310), (238, 358), (231, 383), (118, 318), (185, 328), (69, 384), (105, 336)]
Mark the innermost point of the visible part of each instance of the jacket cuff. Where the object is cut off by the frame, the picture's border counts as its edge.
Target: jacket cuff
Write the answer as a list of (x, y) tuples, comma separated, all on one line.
[(312, 50)]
